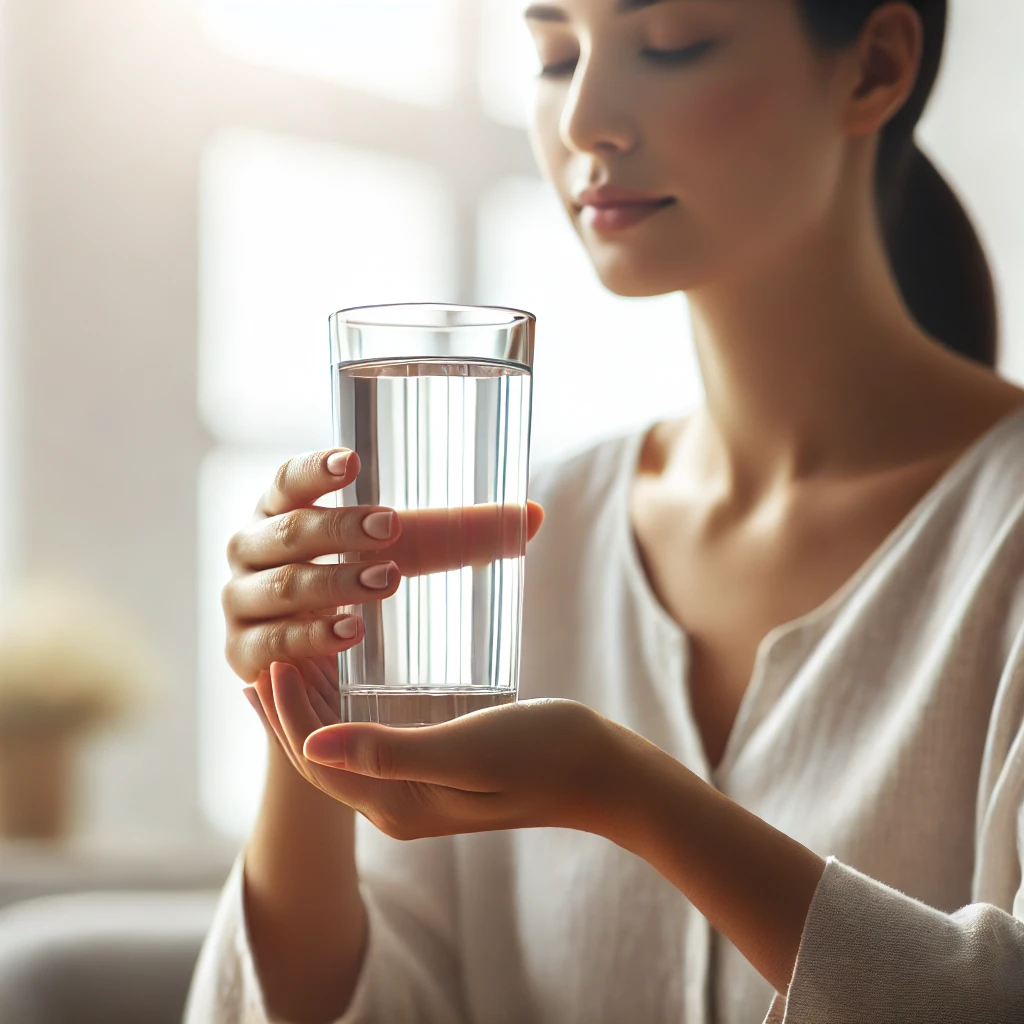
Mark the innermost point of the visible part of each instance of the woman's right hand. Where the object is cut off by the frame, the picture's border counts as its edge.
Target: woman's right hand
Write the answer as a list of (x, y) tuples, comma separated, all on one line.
[(281, 607), (278, 605)]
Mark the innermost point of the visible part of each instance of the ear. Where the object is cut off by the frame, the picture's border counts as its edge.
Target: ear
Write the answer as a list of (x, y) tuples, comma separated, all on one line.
[(887, 59)]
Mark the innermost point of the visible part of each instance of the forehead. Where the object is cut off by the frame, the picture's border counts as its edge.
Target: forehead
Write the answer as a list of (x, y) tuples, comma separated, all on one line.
[(550, 12), (553, 12)]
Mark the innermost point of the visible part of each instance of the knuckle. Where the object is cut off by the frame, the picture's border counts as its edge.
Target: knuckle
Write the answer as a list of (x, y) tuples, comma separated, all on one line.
[(283, 476), (245, 651), (337, 583), (285, 583), (231, 651), (235, 549), (228, 597), (288, 529), (270, 640), (316, 641), (336, 529)]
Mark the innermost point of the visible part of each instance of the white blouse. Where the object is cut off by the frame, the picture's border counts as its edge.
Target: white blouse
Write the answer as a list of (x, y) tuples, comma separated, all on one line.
[(884, 730)]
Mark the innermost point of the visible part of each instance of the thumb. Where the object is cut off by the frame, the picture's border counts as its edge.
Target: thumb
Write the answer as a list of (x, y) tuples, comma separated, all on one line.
[(438, 754)]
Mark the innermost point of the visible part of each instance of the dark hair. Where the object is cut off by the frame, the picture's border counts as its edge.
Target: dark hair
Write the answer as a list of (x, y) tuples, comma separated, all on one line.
[(936, 256)]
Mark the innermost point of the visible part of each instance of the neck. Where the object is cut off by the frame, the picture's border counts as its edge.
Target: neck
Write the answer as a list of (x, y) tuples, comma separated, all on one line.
[(809, 364)]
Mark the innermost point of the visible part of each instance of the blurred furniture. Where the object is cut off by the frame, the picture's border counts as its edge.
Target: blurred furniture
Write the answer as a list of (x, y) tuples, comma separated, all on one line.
[(101, 958), (103, 936)]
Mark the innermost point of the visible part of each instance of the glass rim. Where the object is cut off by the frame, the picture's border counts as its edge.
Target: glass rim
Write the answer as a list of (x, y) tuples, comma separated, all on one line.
[(519, 315)]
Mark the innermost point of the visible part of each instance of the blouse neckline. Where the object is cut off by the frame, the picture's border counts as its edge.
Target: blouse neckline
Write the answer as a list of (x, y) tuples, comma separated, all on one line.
[(676, 637)]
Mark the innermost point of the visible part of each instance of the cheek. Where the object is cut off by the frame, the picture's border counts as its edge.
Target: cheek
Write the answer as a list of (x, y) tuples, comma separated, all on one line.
[(549, 153), (751, 154)]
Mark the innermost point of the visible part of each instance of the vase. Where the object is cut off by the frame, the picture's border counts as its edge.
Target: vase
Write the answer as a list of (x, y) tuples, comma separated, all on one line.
[(36, 785)]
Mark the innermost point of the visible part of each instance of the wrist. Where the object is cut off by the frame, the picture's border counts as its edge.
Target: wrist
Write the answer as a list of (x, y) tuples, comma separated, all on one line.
[(288, 791), (752, 882), (647, 781)]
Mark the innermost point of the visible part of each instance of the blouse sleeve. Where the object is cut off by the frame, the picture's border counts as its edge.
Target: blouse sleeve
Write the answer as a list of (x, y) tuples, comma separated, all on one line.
[(410, 972), (869, 952)]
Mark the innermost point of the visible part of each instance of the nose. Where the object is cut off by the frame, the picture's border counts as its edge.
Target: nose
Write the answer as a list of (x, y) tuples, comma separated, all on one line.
[(595, 116)]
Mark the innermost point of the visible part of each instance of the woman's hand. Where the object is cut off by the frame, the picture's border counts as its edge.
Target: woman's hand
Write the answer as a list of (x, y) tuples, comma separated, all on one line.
[(280, 606), (534, 763)]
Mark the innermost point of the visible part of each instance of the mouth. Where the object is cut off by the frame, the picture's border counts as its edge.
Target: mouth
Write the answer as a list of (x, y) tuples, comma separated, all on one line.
[(616, 216)]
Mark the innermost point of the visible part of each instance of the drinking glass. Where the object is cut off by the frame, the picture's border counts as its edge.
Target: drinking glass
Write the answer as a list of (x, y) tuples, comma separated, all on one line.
[(436, 400)]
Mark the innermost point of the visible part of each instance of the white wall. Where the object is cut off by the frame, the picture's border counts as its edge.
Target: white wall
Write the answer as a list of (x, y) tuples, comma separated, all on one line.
[(102, 130), (973, 128), (8, 499)]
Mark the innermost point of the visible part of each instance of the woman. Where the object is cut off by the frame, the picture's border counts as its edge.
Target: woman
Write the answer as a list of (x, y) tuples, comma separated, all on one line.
[(782, 775)]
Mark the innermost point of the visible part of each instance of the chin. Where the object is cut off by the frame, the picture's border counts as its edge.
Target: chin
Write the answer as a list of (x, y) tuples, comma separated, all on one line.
[(623, 274)]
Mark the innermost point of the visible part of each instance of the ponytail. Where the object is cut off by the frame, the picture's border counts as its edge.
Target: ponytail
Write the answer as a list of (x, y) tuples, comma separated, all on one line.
[(938, 260), (935, 253)]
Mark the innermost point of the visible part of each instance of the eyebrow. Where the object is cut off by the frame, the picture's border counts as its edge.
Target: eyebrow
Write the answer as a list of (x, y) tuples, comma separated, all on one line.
[(544, 12)]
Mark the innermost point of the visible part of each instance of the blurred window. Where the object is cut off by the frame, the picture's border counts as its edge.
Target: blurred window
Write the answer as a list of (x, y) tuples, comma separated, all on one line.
[(412, 56)]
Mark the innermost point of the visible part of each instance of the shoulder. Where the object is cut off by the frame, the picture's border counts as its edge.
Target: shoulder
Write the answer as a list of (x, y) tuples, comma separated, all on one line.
[(583, 494), (999, 474), (582, 480), (981, 521), (985, 505)]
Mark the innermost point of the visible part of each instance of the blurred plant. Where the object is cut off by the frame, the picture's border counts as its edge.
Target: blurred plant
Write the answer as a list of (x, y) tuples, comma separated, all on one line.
[(70, 662)]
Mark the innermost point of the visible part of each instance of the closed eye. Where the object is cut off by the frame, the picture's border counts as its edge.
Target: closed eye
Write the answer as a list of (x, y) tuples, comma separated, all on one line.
[(683, 56), (687, 55)]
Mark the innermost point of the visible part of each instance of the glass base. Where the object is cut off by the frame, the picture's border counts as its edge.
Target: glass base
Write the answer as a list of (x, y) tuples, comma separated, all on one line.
[(412, 707)]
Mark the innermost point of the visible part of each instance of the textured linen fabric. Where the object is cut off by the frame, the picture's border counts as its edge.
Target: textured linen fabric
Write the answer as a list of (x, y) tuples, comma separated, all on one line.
[(883, 730)]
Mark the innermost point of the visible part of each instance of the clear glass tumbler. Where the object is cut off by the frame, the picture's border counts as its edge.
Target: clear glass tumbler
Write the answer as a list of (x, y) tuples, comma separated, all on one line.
[(436, 401)]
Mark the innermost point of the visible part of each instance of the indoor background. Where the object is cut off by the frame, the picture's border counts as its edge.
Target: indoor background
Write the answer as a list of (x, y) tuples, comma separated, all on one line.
[(189, 188)]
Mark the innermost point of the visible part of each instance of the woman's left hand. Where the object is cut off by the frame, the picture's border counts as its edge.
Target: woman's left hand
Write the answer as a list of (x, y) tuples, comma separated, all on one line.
[(547, 762), (557, 763)]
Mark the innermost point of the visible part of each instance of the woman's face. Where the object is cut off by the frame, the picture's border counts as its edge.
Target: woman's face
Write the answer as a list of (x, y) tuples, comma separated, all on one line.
[(723, 105)]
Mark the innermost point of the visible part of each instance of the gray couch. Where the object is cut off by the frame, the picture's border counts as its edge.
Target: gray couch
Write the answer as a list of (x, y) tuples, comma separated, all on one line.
[(101, 957), (101, 939)]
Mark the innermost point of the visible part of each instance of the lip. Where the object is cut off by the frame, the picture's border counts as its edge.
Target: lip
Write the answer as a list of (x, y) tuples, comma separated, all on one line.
[(616, 216), (614, 195)]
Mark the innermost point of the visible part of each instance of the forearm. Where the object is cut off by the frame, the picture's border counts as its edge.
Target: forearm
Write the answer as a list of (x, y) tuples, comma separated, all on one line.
[(753, 883), (306, 918)]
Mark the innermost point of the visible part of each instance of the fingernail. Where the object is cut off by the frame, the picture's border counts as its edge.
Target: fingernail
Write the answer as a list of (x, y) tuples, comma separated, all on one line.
[(338, 463), (379, 525), (252, 697), (376, 576), (346, 628), (324, 745)]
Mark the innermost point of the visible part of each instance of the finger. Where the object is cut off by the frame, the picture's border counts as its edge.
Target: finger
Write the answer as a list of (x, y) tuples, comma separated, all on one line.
[(303, 588), (251, 648), (452, 754), (307, 533), (325, 713), (327, 693), (265, 696), (435, 544), (442, 539), (250, 694), (329, 668), (297, 715), (534, 519), (302, 480)]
